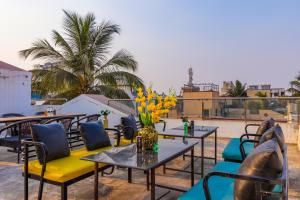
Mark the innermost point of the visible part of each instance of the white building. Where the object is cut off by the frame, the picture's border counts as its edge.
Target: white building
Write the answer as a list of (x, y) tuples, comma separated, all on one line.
[(15, 90)]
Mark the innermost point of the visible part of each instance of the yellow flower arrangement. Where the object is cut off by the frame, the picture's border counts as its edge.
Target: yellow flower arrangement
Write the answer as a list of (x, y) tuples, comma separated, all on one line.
[(152, 106)]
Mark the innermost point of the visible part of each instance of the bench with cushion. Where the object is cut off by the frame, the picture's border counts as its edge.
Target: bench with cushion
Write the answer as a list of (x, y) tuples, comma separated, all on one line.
[(263, 173), (56, 164), (232, 151)]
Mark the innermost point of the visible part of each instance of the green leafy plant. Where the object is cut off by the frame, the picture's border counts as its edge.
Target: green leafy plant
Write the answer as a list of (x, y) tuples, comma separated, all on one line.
[(80, 62), (105, 112)]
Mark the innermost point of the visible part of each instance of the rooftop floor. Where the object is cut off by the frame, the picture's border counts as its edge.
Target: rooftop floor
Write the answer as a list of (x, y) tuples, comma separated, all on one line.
[(115, 186)]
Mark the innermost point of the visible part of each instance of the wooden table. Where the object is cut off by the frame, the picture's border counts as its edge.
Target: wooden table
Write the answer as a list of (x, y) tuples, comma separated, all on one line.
[(16, 119)]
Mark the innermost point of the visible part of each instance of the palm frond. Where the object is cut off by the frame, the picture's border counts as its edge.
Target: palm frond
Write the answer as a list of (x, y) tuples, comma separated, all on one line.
[(110, 91), (122, 59)]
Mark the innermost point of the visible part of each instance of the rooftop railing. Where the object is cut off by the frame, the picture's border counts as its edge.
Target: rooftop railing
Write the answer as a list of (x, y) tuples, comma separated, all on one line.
[(282, 109)]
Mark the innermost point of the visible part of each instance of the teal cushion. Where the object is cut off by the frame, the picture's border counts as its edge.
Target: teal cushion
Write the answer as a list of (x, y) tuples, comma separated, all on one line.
[(221, 188), (232, 150)]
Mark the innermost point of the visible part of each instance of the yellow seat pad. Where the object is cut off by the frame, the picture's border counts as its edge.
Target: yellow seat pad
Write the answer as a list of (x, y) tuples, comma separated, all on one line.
[(84, 152), (64, 169), (124, 141)]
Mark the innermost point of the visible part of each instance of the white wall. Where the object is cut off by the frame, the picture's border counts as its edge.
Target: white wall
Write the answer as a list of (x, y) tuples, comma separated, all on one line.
[(15, 92), (233, 129), (86, 105)]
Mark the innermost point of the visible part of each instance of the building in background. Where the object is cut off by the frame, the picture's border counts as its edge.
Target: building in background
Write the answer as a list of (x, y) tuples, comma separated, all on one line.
[(227, 85), (264, 90), (15, 87), (191, 92)]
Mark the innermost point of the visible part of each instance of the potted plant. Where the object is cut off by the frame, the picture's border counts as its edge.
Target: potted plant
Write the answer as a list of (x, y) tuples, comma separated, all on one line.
[(105, 113), (151, 107)]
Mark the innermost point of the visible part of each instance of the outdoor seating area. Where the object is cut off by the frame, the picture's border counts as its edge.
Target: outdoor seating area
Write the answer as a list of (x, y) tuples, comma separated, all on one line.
[(68, 149)]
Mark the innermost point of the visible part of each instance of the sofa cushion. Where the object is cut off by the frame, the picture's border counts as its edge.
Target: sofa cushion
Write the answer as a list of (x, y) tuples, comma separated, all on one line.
[(265, 160), (54, 138), (94, 135), (219, 187), (129, 122), (232, 150), (264, 126), (274, 132), (67, 168)]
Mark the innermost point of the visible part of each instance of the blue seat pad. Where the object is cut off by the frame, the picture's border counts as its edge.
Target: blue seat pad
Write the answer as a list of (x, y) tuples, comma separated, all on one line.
[(221, 188), (232, 150)]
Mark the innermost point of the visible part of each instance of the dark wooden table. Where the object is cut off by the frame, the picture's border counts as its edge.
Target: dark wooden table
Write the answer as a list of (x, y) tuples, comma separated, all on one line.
[(16, 119), (147, 161), (200, 132)]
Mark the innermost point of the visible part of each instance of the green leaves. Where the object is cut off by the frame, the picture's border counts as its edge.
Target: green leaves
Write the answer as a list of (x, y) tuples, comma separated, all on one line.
[(238, 90), (79, 56)]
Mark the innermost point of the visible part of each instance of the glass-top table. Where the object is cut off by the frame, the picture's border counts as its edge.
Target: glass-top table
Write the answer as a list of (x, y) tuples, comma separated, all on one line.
[(199, 132), (148, 161)]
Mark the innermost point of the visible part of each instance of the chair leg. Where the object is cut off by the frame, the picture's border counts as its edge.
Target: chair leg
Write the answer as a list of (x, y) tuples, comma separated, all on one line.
[(41, 189), (64, 192), (18, 152)]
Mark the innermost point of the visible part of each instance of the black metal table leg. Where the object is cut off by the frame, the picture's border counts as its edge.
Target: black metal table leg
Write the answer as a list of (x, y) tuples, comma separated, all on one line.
[(192, 167), (153, 184), (202, 157), (216, 147), (129, 175), (96, 181)]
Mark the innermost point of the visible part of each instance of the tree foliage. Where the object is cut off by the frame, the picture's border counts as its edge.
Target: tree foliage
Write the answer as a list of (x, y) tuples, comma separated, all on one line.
[(295, 86), (237, 90), (80, 56)]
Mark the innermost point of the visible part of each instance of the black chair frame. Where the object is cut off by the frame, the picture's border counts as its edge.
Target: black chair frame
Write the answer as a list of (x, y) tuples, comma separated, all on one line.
[(16, 131), (258, 181), (64, 185)]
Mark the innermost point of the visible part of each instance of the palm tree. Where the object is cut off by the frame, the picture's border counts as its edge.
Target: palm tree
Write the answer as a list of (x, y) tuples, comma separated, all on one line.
[(80, 59), (237, 90), (295, 86)]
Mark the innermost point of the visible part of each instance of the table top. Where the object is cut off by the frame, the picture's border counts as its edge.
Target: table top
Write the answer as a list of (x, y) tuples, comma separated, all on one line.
[(199, 132), (128, 157), (16, 119)]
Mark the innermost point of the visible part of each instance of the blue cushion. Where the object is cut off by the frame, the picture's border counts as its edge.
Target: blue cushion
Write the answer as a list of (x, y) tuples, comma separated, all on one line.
[(54, 138), (221, 188), (129, 122), (232, 150), (94, 135)]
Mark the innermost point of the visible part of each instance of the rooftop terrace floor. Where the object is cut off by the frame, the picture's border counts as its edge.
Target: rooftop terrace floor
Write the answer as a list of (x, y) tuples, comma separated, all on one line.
[(115, 186)]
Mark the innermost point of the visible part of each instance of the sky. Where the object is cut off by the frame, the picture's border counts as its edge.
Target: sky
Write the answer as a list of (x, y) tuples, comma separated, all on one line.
[(255, 41)]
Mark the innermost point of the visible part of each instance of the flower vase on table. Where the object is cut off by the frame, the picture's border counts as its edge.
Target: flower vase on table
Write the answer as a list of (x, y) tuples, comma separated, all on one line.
[(151, 107)]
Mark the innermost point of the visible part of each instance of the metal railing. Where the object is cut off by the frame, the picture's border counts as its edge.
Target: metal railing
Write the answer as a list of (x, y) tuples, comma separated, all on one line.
[(282, 109)]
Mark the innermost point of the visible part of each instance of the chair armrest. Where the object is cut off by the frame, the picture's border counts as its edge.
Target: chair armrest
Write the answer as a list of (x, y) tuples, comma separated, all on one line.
[(163, 122), (15, 124), (257, 179), (249, 125), (40, 145), (242, 149), (247, 135), (116, 132)]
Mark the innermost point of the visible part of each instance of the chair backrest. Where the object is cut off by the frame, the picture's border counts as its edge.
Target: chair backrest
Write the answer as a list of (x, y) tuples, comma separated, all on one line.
[(94, 117), (65, 121), (12, 115)]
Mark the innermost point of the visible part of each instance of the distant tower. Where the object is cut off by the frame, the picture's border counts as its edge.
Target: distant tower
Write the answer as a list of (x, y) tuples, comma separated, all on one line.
[(190, 83)]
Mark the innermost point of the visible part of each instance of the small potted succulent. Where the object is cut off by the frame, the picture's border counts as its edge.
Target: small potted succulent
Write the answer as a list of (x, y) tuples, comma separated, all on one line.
[(105, 113)]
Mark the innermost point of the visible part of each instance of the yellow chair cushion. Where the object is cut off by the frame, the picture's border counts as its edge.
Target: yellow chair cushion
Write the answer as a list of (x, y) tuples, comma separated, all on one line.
[(68, 168), (124, 141)]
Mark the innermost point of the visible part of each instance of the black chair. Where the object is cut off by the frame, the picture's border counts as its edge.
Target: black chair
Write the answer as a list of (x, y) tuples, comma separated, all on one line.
[(88, 118), (12, 134), (6, 115), (131, 131)]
